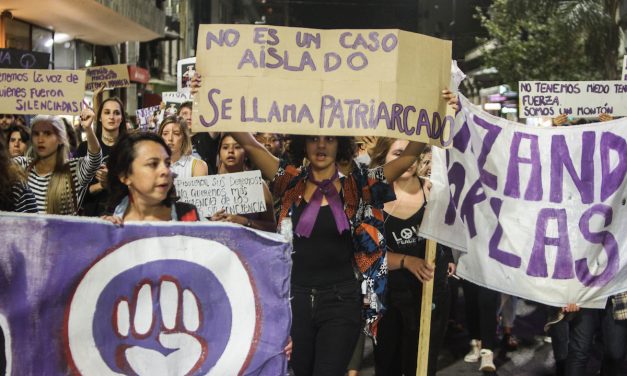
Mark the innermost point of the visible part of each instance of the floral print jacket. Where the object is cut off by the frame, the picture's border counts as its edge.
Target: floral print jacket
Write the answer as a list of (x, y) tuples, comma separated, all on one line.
[(364, 192)]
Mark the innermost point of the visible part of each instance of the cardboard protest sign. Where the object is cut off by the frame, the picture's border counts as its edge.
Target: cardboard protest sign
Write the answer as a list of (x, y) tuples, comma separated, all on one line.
[(173, 99), (577, 98), (109, 76), (185, 70), (237, 193), (539, 211), (23, 59), (334, 82), (39, 91), (147, 118), (149, 298)]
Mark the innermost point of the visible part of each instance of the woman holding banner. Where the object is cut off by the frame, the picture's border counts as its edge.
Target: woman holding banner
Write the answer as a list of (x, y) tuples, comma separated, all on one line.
[(232, 158), (60, 184), (110, 126), (143, 187), (397, 340)]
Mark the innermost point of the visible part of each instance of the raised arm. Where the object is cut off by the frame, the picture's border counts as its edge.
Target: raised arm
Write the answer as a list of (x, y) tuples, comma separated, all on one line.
[(392, 170), (258, 154), (87, 118)]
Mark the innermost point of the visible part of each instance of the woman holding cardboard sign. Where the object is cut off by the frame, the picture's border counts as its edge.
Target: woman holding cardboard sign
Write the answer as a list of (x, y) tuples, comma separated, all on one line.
[(338, 229), (232, 158), (338, 239)]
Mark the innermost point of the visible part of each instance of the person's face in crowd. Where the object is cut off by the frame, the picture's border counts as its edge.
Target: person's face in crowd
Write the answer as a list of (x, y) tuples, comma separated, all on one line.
[(17, 146), (111, 116), (173, 136), (395, 151), (270, 141), (424, 166), (45, 140), (149, 179), (232, 154), (6, 120), (321, 151), (186, 113)]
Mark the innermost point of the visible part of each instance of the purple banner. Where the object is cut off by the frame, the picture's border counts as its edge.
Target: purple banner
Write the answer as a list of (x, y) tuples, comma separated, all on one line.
[(84, 297)]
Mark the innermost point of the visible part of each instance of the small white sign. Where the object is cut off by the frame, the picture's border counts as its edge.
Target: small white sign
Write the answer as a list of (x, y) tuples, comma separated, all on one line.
[(582, 99), (237, 193), (185, 70), (173, 100)]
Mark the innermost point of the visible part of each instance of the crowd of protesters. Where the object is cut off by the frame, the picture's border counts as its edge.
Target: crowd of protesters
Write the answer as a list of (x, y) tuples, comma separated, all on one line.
[(352, 201)]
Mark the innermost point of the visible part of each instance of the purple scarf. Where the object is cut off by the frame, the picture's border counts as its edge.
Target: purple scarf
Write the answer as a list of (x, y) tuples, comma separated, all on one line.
[(309, 215)]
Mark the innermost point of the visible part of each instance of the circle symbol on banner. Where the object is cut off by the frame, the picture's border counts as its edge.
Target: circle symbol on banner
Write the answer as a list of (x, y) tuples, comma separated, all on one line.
[(138, 310), (406, 233)]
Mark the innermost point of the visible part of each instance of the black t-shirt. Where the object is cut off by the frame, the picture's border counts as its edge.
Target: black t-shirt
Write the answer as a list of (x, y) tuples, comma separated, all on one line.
[(402, 237), (326, 257), (94, 205)]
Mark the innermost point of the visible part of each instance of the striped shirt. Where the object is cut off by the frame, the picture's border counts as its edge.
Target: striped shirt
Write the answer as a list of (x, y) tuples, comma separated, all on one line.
[(23, 198), (82, 170)]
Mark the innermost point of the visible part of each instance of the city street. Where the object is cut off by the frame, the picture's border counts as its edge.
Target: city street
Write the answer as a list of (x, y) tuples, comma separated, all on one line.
[(534, 356)]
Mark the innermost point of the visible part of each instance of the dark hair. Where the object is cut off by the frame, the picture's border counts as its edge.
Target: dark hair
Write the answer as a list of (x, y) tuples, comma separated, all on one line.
[(120, 164), (72, 137), (346, 148), (188, 104), (122, 129), (24, 132), (10, 174)]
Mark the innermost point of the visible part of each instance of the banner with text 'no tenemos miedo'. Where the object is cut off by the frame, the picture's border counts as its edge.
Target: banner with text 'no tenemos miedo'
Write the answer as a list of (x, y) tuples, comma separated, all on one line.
[(323, 82), (83, 297), (541, 213)]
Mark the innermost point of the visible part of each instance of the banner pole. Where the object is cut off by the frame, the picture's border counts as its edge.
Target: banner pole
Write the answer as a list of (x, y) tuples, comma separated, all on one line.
[(422, 363)]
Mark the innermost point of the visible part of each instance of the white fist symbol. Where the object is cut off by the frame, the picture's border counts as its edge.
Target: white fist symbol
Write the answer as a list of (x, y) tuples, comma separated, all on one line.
[(179, 322)]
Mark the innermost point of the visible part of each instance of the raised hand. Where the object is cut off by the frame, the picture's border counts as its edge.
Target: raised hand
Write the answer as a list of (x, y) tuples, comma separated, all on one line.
[(87, 118), (180, 319)]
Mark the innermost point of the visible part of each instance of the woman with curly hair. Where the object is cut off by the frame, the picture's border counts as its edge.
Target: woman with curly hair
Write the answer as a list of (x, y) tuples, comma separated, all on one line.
[(338, 240)]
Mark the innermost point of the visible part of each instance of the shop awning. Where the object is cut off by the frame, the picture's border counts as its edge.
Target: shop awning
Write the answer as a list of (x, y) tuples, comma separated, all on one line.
[(87, 20)]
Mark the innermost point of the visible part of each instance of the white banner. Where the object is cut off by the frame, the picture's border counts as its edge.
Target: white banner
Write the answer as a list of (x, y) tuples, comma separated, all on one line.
[(539, 212), (237, 193), (582, 99)]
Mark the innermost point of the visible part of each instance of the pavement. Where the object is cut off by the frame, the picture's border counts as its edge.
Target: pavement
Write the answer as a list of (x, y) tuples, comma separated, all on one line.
[(534, 356)]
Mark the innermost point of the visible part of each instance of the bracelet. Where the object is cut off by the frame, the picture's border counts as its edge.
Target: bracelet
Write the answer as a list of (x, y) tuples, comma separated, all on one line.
[(403, 262)]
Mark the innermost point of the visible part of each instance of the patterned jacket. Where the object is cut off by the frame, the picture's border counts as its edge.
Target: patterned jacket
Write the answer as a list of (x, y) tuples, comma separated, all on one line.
[(364, 193), (620, 306)]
